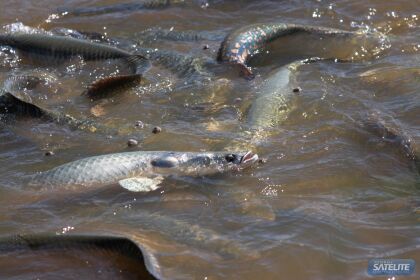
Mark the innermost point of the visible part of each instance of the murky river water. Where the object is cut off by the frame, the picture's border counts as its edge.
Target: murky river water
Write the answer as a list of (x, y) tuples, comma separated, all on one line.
[(331, 196)]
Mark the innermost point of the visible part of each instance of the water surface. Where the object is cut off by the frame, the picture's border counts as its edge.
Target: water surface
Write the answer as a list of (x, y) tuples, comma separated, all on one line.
[(331, 196)]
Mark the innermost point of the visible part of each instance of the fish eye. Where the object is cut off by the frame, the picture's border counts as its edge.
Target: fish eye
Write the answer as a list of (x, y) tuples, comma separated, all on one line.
[(230, 157)]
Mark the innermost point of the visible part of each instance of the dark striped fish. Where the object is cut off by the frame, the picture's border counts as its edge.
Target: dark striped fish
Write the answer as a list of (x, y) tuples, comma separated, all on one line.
[(61, 48), (242, 44), (100, 245)]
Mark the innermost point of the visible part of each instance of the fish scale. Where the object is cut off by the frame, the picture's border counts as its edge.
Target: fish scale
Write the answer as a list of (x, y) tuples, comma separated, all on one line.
[(140, 166), (63, 47), (91, 170)]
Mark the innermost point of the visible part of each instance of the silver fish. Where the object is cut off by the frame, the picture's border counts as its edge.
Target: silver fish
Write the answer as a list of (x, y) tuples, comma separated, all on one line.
[(140, 171), (194, 235), (272, 102), (61, 48)]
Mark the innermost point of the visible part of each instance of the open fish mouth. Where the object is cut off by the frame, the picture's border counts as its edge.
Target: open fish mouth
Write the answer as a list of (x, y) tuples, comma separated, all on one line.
[(249, 157)]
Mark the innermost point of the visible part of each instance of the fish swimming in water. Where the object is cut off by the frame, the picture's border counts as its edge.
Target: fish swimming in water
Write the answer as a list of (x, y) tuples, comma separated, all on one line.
[(272, 101), (244, 43), (62, 48), (158, 33), (140, 171), (107, 246), (14, 99), (194, 235), (392, 134), (270, 108)]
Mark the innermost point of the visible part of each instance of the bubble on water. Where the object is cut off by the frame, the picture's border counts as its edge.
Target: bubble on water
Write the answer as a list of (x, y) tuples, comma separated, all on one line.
[(66, 229), (316, 13), (52, 17), (19, 27)]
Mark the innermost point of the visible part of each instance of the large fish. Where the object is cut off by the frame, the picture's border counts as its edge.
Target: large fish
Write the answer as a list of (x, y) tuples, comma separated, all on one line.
[(140, 171), (240, 46), (14, 99), (193, 235), (272, 104), (108, 246), (62, 48)]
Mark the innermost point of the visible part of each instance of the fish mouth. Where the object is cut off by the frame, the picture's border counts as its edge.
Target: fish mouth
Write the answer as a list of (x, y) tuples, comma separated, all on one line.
[(249, 157)]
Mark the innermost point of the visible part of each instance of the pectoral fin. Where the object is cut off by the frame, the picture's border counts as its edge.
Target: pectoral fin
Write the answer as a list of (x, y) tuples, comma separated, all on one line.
[(141, 184)]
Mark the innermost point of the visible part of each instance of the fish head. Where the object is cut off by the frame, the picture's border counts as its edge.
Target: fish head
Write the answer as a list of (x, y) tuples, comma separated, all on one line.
[(199, 164)]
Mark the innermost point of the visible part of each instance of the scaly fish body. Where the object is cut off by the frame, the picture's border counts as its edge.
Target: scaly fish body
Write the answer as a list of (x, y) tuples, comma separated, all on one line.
[(242, 44), (194, 235), (272, 103), (135, 168), (61, 47)]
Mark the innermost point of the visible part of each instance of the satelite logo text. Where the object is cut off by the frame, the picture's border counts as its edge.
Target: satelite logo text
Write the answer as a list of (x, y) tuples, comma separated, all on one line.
[(390, 267)]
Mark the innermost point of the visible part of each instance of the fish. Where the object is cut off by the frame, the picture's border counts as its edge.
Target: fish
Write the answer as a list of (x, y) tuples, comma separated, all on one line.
[(272, 102), (140, 171), (270, 108), (158, 33), (106, 245), (241, 45), (392, 133), (63, 48), (15, 100), (183, 65), (194, 235)]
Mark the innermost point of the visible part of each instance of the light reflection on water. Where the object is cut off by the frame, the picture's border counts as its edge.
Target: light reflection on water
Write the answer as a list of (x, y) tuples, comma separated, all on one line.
[(331, 196)]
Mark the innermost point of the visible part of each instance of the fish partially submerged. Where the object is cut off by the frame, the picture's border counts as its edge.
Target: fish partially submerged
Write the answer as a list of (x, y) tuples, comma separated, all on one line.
[(113, 247), (273, 98), (391, 133), (15, 98), (241, 45), (140, 171), (62, 48), (193, 235)]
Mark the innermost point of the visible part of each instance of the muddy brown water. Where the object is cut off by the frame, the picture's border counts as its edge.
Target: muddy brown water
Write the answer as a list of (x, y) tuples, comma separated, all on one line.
[(331, 196)]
